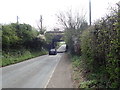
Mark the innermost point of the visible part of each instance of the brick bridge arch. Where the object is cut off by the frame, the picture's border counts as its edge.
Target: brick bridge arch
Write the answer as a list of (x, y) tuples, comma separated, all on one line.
[(58, 35)]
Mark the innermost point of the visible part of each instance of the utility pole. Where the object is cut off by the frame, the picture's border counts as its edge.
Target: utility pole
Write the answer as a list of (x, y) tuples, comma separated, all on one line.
[(17, 23), (118, 6), (17, 19), (118, 10), (90, 12), (41, 20)]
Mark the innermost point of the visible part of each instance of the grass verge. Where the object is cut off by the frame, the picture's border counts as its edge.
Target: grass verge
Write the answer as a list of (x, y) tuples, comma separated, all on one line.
[(82, 77), (15, 56), (77, 71)]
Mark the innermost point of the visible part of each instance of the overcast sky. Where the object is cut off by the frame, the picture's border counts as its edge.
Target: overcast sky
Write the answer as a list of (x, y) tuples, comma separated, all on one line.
[(29, 11)]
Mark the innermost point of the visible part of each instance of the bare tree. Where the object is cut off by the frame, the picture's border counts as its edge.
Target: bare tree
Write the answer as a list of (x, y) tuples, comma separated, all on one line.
[(73, 24), (70, 21)]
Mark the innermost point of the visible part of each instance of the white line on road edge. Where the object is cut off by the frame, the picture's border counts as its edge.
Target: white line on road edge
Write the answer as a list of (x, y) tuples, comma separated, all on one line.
[(51, 74)]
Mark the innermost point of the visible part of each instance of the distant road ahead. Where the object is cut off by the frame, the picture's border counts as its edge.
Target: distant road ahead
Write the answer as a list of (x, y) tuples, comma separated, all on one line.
[(34, 73)]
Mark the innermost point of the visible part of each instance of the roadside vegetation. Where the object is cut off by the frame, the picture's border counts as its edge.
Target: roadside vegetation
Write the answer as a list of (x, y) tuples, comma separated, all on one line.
[(15, 56), (21, 42), (94, 49)]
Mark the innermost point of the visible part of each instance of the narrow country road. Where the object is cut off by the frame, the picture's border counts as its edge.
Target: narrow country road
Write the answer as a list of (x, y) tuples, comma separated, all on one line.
[(34, 73)]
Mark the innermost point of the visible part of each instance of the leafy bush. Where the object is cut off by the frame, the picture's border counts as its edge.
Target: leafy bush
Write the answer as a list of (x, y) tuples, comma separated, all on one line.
[(88, 84), (9, 36), (20, 42), (100, 47), (76, 61), (14, 35)]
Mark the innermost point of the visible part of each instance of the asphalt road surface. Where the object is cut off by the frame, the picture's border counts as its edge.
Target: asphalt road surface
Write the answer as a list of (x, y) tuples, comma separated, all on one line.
[(33, 73)]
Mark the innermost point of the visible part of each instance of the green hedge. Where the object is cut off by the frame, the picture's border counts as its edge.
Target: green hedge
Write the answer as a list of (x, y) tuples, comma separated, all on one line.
[(100, 47)]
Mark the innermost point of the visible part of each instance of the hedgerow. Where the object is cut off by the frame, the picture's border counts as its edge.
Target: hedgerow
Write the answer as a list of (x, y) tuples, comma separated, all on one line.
[(100, 48)]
